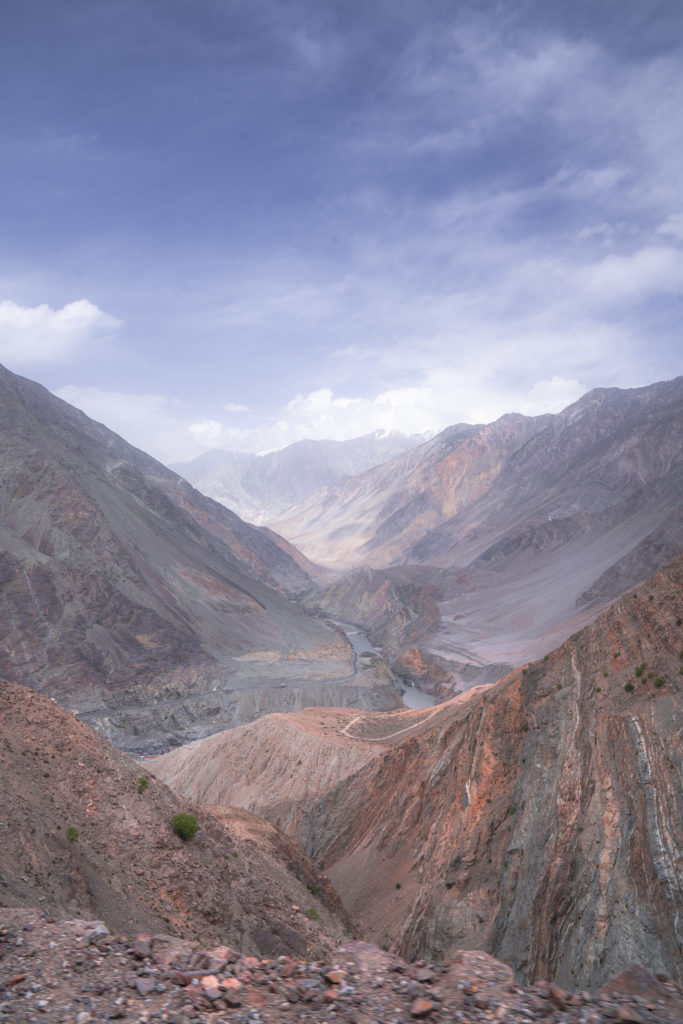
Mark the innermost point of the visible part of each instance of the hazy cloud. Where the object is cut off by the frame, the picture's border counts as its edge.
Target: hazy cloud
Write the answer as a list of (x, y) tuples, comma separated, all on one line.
[(153, 423), (31, 335)]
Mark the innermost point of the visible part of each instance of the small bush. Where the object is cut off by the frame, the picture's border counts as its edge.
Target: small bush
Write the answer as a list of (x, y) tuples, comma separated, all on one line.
[(313, 888), (659, 681), (185, 826), (398, 885), (629, 687), (312, 913), (143, 783), (72, 834)]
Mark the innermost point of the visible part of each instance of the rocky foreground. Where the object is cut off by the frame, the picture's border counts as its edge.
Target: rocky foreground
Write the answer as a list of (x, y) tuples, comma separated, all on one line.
[(76, 972)]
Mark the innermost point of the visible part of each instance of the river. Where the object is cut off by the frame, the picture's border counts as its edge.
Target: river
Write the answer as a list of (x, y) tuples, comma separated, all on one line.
[(412, 697)]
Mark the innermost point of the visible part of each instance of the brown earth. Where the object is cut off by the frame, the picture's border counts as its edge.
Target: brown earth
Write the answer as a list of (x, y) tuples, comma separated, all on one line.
[(240, 880), (539, 819), (75, 971)]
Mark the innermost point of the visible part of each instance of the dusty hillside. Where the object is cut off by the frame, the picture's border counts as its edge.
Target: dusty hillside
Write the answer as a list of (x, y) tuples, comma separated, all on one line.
[(132, 598), (236, 882), (539, 819)]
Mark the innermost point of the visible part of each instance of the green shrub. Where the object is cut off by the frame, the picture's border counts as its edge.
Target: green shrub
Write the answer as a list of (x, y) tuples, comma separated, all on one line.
[(185, 826), (628, 687), (72, 834), (659, 681), (143, 783), (398, 885), (313, 888), (312, 913)]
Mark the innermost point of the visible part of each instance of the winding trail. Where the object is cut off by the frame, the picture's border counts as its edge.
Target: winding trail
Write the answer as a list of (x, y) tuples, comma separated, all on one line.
[(389, 736)]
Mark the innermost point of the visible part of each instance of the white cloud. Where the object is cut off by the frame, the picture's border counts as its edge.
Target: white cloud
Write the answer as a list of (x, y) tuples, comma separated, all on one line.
[(649, 271), (235, 407), (37, 334)]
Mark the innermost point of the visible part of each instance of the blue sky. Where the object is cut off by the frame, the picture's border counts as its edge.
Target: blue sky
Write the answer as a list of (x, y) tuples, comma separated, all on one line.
[(235, 223)]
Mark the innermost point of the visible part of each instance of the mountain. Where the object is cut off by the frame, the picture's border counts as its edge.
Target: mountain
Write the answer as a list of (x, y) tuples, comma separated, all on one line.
[(260, 487), (129, 596), (489, 545), (539, 819), (82, 836)]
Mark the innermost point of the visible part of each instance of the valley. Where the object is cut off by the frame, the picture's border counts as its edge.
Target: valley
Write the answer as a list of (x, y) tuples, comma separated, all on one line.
[(451, 721)]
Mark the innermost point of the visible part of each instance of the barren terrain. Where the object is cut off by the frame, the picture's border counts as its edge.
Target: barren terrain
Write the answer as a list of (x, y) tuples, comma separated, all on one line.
[(539, 819)]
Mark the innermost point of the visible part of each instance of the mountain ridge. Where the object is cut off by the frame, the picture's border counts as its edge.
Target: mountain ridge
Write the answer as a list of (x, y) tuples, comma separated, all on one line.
[(138, 601), (538, 819)]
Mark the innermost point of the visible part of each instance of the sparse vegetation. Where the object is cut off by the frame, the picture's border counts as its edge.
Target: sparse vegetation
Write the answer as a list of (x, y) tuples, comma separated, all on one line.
[(659, 681), (313, 888), (143, 783), (398, 885), (628, 687), (72, 834), (312, 913), (185, 826)]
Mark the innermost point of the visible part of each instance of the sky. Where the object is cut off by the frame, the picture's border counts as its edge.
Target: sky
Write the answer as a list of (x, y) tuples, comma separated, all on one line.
[(238, 223)]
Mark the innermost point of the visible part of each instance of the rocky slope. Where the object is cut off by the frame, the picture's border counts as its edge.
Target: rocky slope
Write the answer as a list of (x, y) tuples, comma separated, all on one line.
[(134, 599), (57, 971), (538, 819), (237, 881), (492, 544), (260, 487)]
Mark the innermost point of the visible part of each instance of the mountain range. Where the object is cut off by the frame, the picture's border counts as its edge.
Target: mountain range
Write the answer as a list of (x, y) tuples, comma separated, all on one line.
[(489, 545), (538, 818), (260, 487)]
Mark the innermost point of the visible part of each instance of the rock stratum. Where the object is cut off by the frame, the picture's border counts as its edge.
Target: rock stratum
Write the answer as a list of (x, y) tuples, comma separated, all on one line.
[(489, 545), (130, 597), (539, 819)]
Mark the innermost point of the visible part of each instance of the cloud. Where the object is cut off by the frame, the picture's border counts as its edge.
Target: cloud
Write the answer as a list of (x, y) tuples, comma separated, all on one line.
[(39, 334), (235, 407)]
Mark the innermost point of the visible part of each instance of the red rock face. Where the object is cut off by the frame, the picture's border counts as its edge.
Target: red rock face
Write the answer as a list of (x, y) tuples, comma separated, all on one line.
[(538, 819)]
